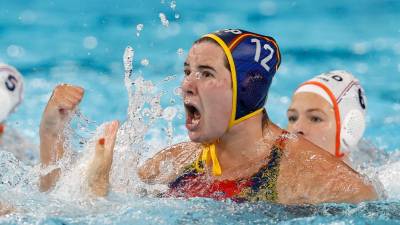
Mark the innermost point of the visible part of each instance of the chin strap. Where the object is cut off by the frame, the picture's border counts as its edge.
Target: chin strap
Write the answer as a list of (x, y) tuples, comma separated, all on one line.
[(209, 152)]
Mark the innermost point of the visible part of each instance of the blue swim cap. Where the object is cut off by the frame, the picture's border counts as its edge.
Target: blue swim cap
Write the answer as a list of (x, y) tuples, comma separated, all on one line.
[(253, 61)]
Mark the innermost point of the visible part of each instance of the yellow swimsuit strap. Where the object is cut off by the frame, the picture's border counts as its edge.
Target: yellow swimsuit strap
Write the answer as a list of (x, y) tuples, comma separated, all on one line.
[(209, 152)]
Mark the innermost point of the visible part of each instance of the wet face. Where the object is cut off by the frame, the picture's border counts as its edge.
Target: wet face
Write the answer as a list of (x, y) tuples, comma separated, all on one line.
[(313, 117), (207, 92)]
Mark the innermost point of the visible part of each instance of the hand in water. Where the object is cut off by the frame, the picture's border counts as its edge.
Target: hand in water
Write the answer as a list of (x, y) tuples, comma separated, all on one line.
[(63, 101), (99, 168)]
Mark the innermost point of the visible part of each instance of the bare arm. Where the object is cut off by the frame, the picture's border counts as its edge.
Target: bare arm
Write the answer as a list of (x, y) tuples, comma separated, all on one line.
[(57, 112), (99, 168), (167, 164)]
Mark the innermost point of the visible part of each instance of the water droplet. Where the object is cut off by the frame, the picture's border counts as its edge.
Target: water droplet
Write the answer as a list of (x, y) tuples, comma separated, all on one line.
[(146, 112), (172, 5), (139, 28), (178, 91), (197, 75), (169, 113), (284, 100), (180, 51), (164, 20), (169, 78), (144, 62)]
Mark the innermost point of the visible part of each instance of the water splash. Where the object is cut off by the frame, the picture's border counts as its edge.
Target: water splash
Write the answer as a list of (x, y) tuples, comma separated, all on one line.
[(143, 110), (163, 19), (139, 29), (172, 5)]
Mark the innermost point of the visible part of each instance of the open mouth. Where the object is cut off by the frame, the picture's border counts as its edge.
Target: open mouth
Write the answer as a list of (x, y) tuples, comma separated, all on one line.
[(192, 116)]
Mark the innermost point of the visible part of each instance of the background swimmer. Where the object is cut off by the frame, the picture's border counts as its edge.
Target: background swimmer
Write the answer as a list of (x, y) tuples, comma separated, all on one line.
[(329, 110), (11, 92), (11, 95), (312, 115), (233, 149)]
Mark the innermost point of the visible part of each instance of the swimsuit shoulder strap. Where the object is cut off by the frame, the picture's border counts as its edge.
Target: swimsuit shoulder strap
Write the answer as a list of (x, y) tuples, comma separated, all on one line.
[(263, 183)]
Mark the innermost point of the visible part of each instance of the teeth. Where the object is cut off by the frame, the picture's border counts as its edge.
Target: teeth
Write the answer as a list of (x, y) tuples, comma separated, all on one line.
[(195, 121), (196, 115)]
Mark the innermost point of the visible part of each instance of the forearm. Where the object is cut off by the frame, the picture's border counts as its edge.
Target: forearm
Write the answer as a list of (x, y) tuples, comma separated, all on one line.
[(51, 150), (98, 184)]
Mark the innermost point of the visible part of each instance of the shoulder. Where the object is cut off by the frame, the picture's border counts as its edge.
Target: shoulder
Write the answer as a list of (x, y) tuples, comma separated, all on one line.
[(310, 174), (167, 164)]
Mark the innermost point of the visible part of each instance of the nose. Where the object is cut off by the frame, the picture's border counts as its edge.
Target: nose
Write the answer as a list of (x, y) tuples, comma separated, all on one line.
[(189, 86), (299, 128)]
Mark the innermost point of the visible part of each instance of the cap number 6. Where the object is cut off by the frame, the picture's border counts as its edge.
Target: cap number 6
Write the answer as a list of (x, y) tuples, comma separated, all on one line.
[(265, 60)]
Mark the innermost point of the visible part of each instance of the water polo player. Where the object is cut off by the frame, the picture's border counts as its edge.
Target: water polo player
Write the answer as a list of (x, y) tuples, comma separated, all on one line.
[(11, 95), (329, 110), (11, 87), (242, 154)]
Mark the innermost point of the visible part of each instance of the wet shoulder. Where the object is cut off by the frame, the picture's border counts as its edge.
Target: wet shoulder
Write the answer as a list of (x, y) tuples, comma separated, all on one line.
[(309, 174), (168, 163)]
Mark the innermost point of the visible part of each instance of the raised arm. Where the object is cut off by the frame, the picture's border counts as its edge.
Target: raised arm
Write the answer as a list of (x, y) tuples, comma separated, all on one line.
[(56, 114), (100, 166)]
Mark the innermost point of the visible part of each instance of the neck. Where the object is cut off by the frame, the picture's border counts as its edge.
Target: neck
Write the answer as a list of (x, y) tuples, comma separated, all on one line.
[(244, 142)]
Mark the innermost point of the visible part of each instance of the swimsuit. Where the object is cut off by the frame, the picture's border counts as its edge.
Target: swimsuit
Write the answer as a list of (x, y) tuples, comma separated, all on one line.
[(262, 186)]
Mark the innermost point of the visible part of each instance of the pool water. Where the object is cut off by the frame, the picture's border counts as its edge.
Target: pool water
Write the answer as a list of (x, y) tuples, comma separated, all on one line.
[(82, 42)]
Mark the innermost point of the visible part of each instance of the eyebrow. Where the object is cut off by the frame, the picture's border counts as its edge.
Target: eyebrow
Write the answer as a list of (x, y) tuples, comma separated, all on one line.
[(291, 110), (206, 67), (186, 64), (316, 109)]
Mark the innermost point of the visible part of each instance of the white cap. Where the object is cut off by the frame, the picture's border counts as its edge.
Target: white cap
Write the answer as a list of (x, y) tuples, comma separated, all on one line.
[(11, 88), (345, 94)]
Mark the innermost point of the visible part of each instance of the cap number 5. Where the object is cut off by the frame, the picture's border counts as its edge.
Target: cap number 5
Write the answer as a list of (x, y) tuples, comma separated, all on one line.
[(11, 82), (265, 60)]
